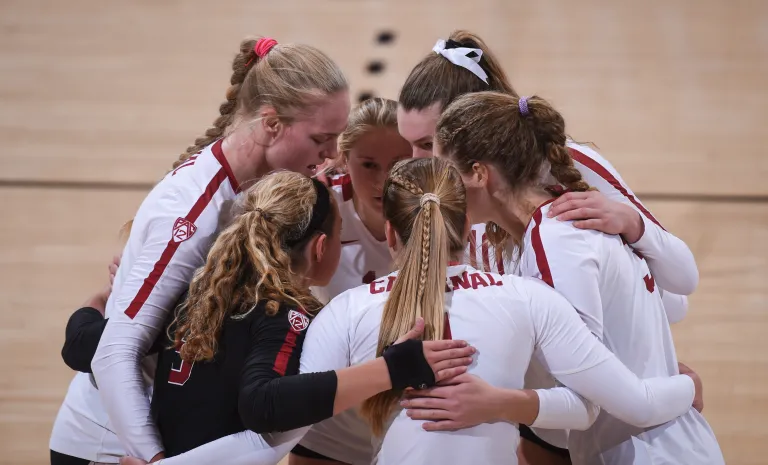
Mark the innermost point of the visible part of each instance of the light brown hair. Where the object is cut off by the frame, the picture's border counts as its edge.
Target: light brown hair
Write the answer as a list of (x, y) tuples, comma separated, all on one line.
[(436, 80), (250, 262), (430, 233), (290, 78), (489, 127)]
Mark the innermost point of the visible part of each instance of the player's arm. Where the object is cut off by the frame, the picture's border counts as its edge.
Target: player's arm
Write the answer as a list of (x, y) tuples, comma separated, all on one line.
[(579, 361), (83, 333), (675, 306), (160, 274), (616, 210), (270, 402), (244, 448), (82, 336), (669, 258), (326, 341), (84, 328)]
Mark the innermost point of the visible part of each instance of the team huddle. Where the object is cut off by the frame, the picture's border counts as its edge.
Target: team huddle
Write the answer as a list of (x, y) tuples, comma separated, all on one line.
[(447, 278)]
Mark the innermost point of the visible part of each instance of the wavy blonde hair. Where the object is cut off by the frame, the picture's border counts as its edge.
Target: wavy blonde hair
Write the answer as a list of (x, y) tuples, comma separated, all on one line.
[(430, 233), (249, 262)]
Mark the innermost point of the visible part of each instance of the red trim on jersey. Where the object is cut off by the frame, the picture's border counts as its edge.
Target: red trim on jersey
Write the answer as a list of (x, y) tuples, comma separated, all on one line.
[(345, 181), (151, 281), (601, 171), (473, 249), (219, 154), (486, 257), (538, 248), (188, 162), (281, 361), (447, 328)]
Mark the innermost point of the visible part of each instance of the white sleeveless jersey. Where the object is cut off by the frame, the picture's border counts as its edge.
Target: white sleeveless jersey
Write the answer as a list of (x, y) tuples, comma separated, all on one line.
[(615, 293), (346, 437), (170, 237)]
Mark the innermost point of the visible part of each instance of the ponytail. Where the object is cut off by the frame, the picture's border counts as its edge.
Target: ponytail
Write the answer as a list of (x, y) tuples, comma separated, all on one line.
[(425, 203), (549, 127), (251, 261), (243, 62), (438, 80)]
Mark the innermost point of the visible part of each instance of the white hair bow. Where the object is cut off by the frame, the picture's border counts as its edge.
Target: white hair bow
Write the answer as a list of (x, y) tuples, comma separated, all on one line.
[(458, 56)]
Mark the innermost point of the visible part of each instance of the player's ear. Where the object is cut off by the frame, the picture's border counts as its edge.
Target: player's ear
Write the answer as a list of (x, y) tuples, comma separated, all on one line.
[(270, 122), (391, 235), (319, 247)]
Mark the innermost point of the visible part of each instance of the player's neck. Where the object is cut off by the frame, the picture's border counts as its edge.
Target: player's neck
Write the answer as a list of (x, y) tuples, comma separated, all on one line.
[(515, 210), (245, 156)]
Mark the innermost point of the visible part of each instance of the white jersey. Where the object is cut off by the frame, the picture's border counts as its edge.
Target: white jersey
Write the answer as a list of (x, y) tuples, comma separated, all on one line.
[(363, 257), (346, 437), (508, 319), (670, 259), (616, 295), (170, 237)]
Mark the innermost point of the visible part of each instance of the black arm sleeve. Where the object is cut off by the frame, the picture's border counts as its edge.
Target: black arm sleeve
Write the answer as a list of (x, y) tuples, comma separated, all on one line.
[(273, 397), (82, 337)]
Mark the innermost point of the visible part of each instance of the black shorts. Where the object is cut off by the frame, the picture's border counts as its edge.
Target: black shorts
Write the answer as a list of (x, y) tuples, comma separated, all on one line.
[(63, 459), (302, 451), (528, 434)]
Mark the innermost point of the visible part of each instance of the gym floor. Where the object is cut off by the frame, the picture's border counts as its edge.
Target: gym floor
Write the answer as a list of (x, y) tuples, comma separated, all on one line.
[(99, 98)]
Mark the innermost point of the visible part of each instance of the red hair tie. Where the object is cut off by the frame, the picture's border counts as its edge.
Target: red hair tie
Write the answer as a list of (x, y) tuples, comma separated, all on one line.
[(262, 47)]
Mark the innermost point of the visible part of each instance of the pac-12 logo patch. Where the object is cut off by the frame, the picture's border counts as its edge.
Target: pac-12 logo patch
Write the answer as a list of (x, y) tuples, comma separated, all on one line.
[(183, 229), (298, 321)]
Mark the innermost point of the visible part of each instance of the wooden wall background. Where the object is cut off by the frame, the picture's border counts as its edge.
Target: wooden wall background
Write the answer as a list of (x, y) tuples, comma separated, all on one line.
[(98, 98)]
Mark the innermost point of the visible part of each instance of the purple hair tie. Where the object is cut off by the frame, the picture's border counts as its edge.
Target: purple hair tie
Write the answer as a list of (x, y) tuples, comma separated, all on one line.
[(523, 105)]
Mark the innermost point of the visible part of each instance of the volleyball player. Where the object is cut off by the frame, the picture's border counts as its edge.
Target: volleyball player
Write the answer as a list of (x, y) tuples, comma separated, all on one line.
[(243, 324), (463, 64), (284, 110), (503, 146), (507, 318)]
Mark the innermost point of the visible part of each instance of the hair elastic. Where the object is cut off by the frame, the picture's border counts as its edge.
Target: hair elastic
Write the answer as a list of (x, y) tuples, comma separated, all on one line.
[(467, 58), (261, 213), (429, 197), (522, 104), (320, 212), (261, 48)]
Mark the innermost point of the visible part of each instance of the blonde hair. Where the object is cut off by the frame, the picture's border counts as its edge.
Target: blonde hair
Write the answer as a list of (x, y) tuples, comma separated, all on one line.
[(431, 232), (370, 114), (250, 262), (290, 78), (489, 127)]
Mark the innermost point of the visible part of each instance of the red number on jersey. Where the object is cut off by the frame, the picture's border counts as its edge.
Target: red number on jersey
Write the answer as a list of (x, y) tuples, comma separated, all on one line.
[(181, 375), (369, 277), (650, 283)]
